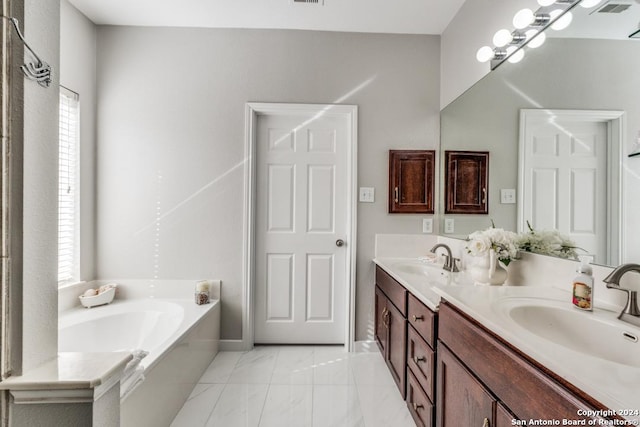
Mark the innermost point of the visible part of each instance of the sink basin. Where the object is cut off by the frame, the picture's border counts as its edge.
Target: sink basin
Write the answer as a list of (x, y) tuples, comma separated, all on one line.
[(417, 268), (598, 334)]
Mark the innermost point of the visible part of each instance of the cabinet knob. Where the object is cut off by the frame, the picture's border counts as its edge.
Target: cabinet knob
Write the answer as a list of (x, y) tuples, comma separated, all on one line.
[(419, 359), (416, 318), (486, 423), (417, 406), (396, 198)]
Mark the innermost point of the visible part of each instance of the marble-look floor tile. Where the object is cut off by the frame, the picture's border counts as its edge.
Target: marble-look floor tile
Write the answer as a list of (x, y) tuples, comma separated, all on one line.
[(240, 405), (199, 406), (255, 367), (336, 406), (382, 406), (294, 366), (288, 405), (331, 366), (370, 369), (221, 368)]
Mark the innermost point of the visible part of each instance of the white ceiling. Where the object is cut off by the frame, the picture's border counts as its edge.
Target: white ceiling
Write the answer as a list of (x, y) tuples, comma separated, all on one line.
[(376, 16)]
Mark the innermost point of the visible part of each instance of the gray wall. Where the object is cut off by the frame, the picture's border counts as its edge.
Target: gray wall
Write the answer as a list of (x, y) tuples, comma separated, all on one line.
[(78, 73), (563, 74), (171, 135)]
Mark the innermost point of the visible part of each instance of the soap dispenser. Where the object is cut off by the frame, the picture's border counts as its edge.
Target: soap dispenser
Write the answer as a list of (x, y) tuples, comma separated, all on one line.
[(583, 285)]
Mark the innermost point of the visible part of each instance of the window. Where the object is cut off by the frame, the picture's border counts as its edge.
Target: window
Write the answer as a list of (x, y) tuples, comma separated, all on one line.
[(68, 215)]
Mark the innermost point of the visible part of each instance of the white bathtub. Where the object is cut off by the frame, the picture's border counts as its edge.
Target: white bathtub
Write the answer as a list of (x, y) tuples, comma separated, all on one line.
[(180, 336)]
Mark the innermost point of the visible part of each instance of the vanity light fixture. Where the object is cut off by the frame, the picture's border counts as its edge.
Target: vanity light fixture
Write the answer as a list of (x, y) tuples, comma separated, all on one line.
[(529, 30)]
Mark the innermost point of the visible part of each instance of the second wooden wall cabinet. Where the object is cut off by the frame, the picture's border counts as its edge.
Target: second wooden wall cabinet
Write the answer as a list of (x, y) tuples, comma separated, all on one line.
[(411, 181), (467, 176)]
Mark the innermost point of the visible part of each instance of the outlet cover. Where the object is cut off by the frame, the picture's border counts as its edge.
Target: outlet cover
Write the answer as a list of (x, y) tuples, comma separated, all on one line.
[(367, 194), (507, 196), (449, 225), (427, 225)]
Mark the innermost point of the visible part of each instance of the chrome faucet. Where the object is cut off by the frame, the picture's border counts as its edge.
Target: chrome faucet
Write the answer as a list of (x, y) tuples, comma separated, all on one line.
[(450, 264), (630, 313)]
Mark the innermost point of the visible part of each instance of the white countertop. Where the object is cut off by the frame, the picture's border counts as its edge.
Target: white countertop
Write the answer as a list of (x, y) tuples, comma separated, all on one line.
[(615, 385)]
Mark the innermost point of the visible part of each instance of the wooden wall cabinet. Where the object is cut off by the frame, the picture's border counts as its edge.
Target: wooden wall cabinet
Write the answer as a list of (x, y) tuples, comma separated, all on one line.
[(411, 181), (466, 182)]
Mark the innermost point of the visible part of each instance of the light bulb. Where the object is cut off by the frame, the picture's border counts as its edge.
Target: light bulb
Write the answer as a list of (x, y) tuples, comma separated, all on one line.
[(562, 22), (516, 57), (589, 3), (484, 54), (523, 18), (546, 2), (537, 40), (502, 38)]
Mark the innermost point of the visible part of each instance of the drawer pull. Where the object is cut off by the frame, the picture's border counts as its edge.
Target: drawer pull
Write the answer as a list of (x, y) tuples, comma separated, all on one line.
[(419, 359), (396, 198), (486, 423), (416, 318), (416, 406)]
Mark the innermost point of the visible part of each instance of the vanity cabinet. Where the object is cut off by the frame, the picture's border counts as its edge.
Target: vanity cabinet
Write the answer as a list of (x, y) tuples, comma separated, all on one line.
[(411, 181), (481, 377), (391, 325), (405, 330)]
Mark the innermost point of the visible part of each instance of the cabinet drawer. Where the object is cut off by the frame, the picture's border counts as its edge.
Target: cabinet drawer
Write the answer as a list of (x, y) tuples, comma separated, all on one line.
[(421, 360), (422, 319), (520, 383), (396, 293), (419, 404)]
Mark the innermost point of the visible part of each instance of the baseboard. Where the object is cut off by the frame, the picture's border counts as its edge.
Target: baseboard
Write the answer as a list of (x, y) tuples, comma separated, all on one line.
[(234, 345), (365, 347)]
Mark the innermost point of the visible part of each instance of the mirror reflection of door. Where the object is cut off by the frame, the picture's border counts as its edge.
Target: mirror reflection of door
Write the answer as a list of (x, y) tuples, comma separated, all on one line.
[(568, 165)]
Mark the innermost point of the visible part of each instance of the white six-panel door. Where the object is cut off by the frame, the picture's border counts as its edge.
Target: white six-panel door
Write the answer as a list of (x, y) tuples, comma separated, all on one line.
[(301, 222), (565, 177)]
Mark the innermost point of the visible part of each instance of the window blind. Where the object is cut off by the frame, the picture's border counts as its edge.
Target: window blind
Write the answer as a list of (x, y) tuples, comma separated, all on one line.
[(68, 265)]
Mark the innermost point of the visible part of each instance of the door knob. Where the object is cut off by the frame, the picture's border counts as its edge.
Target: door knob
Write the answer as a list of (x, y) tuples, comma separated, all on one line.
[(339, 243)]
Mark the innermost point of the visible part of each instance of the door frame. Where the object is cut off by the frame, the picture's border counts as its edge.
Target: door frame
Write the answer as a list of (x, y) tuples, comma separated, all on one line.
[(252, 111), (615, 120)]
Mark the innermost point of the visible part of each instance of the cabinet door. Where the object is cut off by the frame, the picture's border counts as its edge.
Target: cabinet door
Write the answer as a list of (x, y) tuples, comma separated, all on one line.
[(380, 321), (397, 347), (504, 418), (461, 399), (467, 174), (411, 178)]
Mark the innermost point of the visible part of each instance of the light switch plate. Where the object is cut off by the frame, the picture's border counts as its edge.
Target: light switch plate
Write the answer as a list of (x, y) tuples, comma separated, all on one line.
[(367, 194), (449, 225), (507, 196), (427, 225)]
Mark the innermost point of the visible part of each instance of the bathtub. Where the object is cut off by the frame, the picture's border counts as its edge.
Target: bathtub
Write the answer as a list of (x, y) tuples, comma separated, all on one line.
[(180, 336)]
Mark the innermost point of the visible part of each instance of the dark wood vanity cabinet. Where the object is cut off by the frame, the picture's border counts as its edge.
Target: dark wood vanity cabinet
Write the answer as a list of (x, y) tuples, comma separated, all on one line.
[(411, 181), (391, 326), (466, 181), (405, 330), (480, 377)]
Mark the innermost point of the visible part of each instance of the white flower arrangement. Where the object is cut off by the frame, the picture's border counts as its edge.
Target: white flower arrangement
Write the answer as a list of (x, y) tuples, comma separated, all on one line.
[(547, 242), (501, 241)]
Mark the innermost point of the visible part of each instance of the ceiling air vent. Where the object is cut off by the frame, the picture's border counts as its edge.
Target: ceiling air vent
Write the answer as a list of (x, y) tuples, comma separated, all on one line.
[(614, 7), (318, 2)]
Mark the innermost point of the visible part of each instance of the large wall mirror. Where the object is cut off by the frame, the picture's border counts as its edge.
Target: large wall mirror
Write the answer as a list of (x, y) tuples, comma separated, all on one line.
[(591, 69)]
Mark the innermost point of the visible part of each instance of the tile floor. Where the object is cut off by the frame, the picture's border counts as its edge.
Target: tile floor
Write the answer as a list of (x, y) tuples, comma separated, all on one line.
[(295, 386)]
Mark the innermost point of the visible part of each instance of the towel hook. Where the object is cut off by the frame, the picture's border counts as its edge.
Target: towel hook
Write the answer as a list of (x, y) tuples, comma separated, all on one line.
[(39, 71)]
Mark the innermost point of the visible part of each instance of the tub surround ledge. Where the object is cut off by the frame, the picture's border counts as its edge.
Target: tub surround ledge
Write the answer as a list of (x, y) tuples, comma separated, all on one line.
[(72, 389), (71, 377)]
